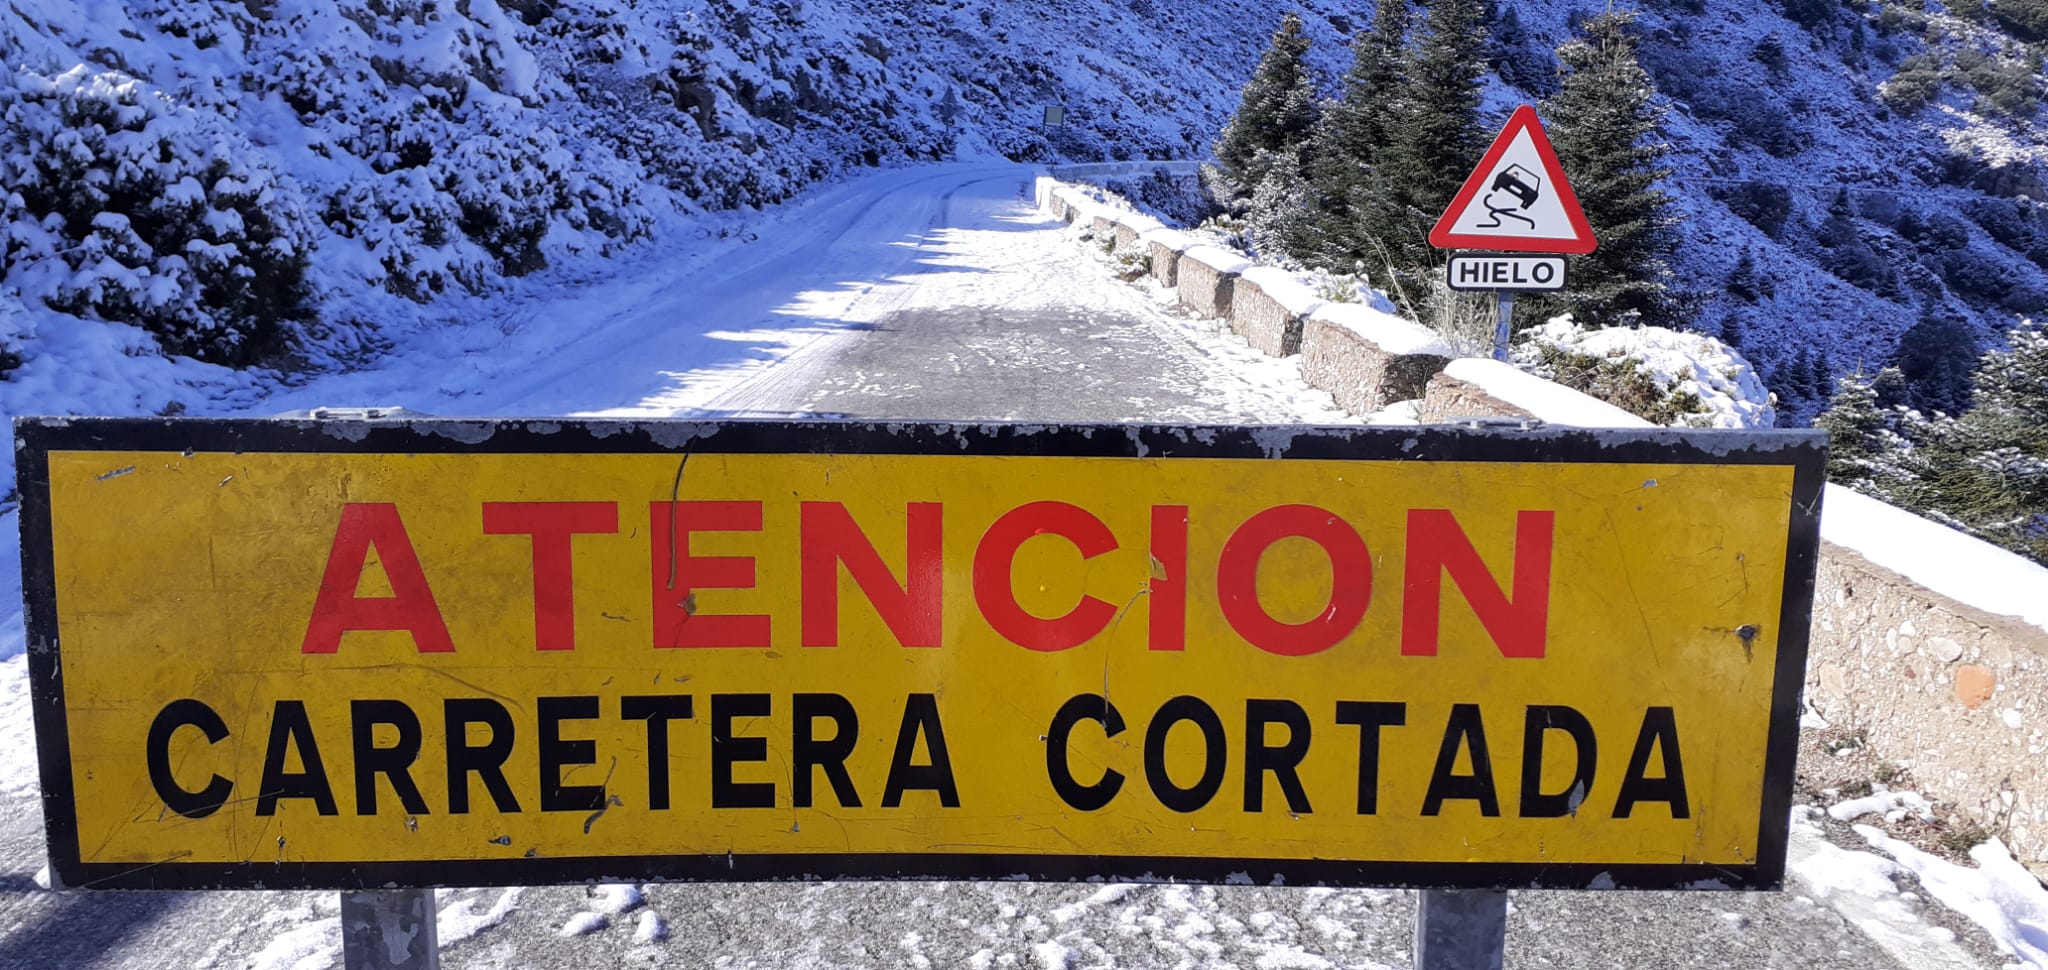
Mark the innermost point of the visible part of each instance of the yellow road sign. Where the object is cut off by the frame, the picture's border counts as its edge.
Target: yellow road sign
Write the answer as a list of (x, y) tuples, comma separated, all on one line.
[(443, 653)]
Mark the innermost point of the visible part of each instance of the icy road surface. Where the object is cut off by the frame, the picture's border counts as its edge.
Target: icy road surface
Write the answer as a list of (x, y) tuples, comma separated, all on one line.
[(924, 293)]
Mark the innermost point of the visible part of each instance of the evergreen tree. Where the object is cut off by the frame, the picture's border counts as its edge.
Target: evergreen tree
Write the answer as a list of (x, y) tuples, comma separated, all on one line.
[(1742, 281), (1519, 58), (1281, 214), (1348, 138), (1278, 112), (1936, 357), (1605, 129), (1799, 377), (1865, 449), (1434, 136), (1987, 471), (1732, 330)]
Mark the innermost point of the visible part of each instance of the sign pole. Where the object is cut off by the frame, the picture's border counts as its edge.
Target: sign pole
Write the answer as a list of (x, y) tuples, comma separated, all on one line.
[(389, 929), (1502, 326), (1461, 929)]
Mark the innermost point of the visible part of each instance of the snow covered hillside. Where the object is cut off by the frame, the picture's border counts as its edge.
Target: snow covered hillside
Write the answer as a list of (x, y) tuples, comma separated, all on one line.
[(290, 182), (1861, 179), (251, 182)]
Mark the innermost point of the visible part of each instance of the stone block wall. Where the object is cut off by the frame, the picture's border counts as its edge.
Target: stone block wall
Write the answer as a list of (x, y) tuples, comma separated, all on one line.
[(1165, 264), (1203, 288), (1446, 399), (1126, 237), (1360, 374), (1262, 321)]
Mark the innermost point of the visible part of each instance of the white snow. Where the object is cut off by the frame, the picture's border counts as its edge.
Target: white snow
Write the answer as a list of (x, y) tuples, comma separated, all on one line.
[(1553, 403), (1172, 239), (1284, 288), (1395, 335), (616, 898), (1680, 362), (1861, 887), (1962, 568), (650, 928), (1999, 894), (1894, 806), (582, 924), (1220, 260), (459, 920)]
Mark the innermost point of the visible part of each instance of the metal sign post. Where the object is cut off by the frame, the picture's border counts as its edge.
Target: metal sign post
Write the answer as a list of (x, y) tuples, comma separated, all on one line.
[(1503, 323), (389, 929), (1461, 929)]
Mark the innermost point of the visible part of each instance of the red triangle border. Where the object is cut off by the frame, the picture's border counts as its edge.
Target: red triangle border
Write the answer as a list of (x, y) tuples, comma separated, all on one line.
[(1582, 242)]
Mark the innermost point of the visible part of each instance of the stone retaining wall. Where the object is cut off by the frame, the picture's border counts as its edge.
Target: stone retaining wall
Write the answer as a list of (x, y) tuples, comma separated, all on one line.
[(1165, 264), (1126, 237), (1947, 691), (1363, 376), (1203, 287), (1262, 321), (1447, 400)]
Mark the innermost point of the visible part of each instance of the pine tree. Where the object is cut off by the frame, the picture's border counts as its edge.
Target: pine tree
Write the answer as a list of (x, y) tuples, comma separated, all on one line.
[(1606, 132), (1799, 377), (1278, 112), (1281, 215), (1732, 330), (1988, 471), (1937, 356), (1742, 281), (1347, 141), (1519, 58), (1434, 136), (1865, 448)]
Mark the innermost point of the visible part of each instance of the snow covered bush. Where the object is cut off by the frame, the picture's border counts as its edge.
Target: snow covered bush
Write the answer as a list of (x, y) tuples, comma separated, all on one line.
[(16, 330), (457, 180), (1668, 377), (123, 206)]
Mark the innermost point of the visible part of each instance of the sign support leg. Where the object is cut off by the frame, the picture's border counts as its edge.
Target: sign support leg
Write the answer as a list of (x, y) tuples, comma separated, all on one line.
[(1464, 929), (1503, 323), (389, 929)]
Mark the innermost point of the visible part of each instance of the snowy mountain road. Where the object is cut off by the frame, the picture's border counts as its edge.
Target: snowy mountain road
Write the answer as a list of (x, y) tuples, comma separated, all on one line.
[(931, 293)]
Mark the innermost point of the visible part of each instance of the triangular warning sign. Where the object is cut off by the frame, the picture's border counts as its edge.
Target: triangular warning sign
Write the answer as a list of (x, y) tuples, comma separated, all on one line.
[(1517, 200)]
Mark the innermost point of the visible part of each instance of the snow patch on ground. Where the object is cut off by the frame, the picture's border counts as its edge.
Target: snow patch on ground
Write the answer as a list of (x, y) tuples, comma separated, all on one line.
[(459, 920), (1895, 806), (615, 898), (17, 761), (582, 924), (650, 928), (1998, 895)]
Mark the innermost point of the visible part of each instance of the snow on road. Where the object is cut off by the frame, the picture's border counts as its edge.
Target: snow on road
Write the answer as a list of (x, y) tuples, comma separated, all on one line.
[(932, 293)]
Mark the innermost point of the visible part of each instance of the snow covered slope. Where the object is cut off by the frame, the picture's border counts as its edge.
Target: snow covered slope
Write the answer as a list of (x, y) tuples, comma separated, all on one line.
[(1829, 208), (292, 181), (248, 181)]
